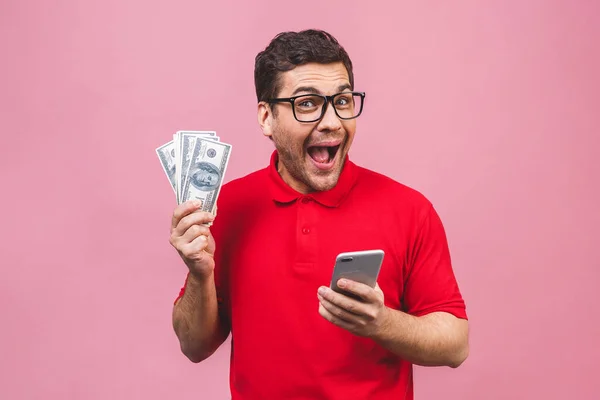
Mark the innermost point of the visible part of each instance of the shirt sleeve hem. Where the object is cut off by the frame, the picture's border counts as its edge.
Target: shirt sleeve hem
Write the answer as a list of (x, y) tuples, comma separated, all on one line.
[(458, 312)]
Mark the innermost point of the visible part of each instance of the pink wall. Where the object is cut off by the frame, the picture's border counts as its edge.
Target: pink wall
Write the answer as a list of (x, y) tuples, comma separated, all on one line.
[(490, 110)]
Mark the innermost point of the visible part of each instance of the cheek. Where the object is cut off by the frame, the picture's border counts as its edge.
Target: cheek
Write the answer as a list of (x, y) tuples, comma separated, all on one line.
[(350, 128), (293, 136), (350, 131)]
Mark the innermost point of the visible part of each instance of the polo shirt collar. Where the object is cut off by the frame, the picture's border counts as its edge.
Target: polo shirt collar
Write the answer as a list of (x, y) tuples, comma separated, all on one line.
[(281, 192)]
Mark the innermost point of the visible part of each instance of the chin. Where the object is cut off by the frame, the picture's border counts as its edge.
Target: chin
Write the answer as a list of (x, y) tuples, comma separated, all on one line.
[(320, 180), (322, 183)]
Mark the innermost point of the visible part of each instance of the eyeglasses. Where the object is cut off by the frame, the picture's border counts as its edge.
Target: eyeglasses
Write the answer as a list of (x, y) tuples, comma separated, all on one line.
[(312, 107)]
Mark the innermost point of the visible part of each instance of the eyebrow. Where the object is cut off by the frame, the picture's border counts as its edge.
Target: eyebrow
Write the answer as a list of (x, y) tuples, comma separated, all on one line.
[(310, 89), (343, 87)]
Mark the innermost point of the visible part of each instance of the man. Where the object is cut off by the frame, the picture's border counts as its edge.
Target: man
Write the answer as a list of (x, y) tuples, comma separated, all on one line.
[(262, 269)]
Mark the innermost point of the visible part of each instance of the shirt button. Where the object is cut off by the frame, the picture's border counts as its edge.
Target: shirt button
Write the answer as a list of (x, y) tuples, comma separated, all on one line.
[(305, 200), (306, 231)]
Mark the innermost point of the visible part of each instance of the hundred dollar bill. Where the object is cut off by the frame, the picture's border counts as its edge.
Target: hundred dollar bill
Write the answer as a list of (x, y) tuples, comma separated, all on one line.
[(175, 160), (166, 155), (177, 164), (186, 152), (206, 171), (170, 156), (186, 140), (202, 133)]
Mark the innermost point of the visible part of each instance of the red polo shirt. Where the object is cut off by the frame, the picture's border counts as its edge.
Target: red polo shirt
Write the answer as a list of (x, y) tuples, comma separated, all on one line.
[(275, 247)]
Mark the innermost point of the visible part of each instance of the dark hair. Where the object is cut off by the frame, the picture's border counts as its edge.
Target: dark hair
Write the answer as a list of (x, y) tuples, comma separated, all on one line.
[(289, 49)]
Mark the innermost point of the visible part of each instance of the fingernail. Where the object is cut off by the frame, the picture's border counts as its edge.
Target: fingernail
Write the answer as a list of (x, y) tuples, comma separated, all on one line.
[(322, 290), (197, 203), (342, 283)]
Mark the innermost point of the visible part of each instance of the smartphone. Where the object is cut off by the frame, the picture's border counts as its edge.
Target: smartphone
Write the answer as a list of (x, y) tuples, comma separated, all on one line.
[(360, 266)]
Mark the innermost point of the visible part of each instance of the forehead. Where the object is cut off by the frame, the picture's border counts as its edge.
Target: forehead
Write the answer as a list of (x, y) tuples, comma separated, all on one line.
[(324, 78)]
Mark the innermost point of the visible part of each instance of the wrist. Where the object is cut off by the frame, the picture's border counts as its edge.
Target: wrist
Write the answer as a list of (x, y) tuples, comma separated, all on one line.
[(196, 280), (384, 331)]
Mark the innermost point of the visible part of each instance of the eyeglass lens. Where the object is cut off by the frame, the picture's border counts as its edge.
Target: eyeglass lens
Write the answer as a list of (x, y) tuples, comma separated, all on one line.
[(310, 107)]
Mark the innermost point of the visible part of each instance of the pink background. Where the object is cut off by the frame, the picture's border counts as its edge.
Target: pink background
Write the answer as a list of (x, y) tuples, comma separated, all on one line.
[(491, 110)]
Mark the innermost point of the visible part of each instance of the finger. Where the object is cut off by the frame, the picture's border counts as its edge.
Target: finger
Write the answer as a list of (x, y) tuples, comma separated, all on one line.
[(333, 319), (346, 303), (361, 290), (182, 210), (195, 249), (338, 311), (194, 232), (195, 218)]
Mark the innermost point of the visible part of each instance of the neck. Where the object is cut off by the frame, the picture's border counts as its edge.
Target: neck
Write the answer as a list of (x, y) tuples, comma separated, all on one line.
[(298, 186)]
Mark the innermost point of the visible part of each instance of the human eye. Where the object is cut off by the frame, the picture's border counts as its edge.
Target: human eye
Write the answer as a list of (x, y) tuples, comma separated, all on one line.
[(343, 100), (308, 103)]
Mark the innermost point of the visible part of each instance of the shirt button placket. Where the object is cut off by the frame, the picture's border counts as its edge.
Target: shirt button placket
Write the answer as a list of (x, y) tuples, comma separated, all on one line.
[(305, 229), (306, 239)]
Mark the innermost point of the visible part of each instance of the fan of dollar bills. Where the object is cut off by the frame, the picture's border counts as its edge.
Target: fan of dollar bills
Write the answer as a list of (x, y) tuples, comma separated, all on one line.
[(195, 163)]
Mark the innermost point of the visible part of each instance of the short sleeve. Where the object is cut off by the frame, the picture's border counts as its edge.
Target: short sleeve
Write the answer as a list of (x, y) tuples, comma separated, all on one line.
[(430, 282)]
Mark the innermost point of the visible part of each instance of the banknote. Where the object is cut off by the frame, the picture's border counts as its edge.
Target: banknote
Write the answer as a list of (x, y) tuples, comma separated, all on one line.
[(177, 164), (178, 139), (186, 148), (166, 155), (205, 174), (202, 133), (195, 163)]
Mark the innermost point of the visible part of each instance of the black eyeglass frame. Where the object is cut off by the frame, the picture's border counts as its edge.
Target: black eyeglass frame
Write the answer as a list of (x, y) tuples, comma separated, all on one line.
[(328, 99)]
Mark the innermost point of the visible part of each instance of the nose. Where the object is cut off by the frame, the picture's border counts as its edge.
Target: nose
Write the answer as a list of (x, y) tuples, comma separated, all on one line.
[(330, 121)]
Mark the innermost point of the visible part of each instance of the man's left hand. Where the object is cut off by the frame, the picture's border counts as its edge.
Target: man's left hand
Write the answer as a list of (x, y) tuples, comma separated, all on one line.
[(365, 317)]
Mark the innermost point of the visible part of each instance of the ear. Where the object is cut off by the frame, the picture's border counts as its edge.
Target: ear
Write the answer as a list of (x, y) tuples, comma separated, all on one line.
[(265, 118)]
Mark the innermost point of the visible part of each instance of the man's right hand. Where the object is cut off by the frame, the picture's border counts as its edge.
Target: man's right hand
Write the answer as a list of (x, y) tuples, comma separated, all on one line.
[(192, 239)]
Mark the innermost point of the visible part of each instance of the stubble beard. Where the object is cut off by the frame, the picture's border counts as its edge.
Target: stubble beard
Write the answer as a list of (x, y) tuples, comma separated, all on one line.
[(293, 156)]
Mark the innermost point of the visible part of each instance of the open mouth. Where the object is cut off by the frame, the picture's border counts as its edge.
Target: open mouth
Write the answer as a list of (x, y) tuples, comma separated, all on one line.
[(324, 154)]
